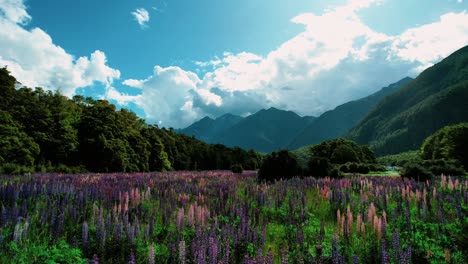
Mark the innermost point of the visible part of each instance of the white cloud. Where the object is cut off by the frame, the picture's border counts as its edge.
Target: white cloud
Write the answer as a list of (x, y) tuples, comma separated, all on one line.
[(335, 59), (165, 95), (142, 16), (35, 60), (14, 11), (430, 43)]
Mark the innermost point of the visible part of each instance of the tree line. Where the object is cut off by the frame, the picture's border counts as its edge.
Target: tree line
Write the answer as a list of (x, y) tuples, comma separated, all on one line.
[(48, 132)]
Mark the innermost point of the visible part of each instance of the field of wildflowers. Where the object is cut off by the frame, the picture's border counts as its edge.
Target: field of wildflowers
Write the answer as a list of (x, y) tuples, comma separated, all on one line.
[(221, 217)]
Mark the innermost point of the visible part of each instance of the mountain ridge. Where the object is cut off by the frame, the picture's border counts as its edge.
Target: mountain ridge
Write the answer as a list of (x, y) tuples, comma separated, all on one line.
[(436, 98)]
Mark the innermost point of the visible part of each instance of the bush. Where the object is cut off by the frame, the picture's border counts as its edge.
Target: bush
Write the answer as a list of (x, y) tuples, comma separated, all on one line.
[(335, 173), (321, 167), (376, 167), (416, 171), (237, 168), (14, 169), (449, 142), (353, 167), (278, 165), (446, 167)]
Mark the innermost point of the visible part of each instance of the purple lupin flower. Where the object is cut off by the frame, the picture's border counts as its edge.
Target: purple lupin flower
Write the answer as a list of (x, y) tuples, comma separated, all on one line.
[(131, 259), (383, 228), (396, 246), (355, 259), (84, 234), (385, 257), (226, 251), (319, 251), (406, 255), (270, 259), (284, 257), (94, 260), (213, 251), (151, 256), (335, 253), (201, 255), (182, 252)]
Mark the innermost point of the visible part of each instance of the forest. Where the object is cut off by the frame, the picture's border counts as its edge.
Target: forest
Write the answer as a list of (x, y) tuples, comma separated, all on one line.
[(44, 131), (95, 184)]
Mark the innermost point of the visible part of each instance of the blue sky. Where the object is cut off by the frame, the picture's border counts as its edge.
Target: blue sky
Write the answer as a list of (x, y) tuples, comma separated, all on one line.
[(174, 62)]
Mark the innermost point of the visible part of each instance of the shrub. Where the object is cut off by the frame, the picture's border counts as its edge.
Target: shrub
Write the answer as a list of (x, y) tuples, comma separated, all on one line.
[(11, 168), (278, 165), (446, 167), (353, 167), (416, 171), (237, 168), (321, 167)]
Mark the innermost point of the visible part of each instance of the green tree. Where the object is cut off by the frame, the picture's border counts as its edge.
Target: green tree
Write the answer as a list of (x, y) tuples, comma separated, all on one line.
[(450, 142), (15, 145), (278, 165)]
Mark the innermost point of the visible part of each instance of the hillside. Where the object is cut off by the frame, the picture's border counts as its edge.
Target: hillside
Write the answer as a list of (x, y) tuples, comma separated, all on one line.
[(48, 132), (265, 131), (436, 98), (208, 129), (337, 122)]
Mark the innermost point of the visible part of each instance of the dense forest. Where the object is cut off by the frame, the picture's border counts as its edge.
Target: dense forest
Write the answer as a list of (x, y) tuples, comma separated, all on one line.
[(436, 98), (46, 131)]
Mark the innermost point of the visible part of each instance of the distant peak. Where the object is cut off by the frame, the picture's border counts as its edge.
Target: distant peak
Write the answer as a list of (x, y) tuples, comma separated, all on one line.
[(227, 116), (273, 109), (206, 118)]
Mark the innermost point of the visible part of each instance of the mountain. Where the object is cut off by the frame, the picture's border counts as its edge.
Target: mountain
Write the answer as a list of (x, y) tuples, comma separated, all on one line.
[(436, 98), (337, 122), (208, 129), (265, 131)]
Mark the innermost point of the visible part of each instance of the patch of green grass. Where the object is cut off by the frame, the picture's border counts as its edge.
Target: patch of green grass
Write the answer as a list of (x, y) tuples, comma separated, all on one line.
[(382, 173)]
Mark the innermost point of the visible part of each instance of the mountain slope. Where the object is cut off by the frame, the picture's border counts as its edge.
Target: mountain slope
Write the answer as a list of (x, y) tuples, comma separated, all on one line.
[(337, 122), (265, 131), (208, 129), (436, 98)]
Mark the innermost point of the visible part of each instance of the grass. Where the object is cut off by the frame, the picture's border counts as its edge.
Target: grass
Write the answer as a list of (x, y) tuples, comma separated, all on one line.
[(383, 173)]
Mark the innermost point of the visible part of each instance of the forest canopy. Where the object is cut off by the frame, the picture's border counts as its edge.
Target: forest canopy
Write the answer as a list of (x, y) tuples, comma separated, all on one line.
[(46, 131)]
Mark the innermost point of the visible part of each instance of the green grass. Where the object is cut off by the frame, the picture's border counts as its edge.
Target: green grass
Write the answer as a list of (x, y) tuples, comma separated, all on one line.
[(383, 173)]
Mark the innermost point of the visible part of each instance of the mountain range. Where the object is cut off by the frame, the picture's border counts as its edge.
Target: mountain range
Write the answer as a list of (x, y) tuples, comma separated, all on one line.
[(402, 120), (394, 119)]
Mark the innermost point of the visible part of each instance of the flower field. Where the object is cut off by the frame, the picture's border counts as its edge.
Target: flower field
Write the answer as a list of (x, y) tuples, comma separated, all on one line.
[(221, 217)]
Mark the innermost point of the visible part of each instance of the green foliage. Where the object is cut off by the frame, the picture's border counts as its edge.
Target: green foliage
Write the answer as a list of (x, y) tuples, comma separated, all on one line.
[(52, 133), (15, 145), (353, 167), (335, 123), (442, 166), (416, 171), (341, 151), (402, 120), (59, 252), (401, 159), (278, 165), (321, 167), (450, 142), (237, 168)]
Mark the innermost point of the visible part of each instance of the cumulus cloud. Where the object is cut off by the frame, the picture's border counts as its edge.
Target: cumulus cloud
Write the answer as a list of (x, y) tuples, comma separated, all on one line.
[(14, 11), (142, 16), (36, 61), (430, 43), (166, 96), (335, 59)]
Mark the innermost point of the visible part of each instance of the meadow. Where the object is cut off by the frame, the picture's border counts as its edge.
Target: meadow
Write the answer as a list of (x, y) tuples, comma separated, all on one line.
[(222, 217)]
